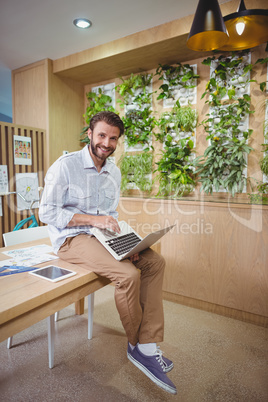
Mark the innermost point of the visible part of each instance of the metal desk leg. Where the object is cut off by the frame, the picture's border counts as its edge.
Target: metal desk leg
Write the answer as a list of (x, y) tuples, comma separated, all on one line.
[(51, 339), (90, 300), (9, 342)]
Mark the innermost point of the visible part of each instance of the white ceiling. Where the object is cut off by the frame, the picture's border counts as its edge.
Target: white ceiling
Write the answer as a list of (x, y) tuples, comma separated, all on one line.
[(32, 30)]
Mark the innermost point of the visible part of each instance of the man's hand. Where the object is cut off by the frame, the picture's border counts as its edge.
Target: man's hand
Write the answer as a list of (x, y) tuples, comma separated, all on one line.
[(100, 221), (106, 222), (134, 257)]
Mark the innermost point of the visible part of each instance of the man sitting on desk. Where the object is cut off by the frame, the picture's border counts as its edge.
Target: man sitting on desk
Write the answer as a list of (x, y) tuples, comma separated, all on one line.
[(82, 190)]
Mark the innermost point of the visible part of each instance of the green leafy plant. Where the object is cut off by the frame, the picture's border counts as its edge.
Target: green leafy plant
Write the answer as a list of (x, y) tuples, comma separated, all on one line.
[(181, 75), (175, 170), (97, 102), (260, 196), (134, 90), (262, 61), (139, 125), (264, 160), (139, 120), (230, 74), (136, 169), (222, 165), (180, 119), (226, 119), (186, 117)]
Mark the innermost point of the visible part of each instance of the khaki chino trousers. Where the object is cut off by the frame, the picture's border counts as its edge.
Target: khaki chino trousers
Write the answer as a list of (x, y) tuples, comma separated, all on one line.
[(138, 285)]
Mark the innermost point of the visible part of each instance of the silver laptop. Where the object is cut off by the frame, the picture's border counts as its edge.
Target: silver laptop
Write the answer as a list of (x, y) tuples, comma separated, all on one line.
[(127, 242)]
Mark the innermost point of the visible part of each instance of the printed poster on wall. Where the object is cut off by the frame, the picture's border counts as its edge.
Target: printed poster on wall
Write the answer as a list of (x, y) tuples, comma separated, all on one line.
[(3, 180), (22, 150), (27, 185)]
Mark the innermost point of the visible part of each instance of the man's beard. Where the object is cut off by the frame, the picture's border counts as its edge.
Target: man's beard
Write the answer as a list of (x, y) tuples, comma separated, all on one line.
[(94, 151)]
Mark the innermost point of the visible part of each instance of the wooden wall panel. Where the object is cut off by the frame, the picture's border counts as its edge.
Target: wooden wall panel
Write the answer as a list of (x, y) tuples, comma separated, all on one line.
[(56, 104), (216, 254), (66, 109), (11, 216), (29, 92)]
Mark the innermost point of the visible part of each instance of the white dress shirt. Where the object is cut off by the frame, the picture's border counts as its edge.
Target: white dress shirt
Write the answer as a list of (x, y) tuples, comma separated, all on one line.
[(73, 185)]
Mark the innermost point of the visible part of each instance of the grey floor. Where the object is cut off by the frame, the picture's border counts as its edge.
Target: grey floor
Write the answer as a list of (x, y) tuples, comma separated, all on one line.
[(215, 358)]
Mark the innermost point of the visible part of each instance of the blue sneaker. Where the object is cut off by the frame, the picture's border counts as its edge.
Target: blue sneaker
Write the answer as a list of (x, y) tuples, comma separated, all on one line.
[(168, 364), (153, 367)]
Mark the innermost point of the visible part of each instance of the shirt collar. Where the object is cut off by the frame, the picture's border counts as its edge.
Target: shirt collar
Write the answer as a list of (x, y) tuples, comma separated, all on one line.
[(88, 161)]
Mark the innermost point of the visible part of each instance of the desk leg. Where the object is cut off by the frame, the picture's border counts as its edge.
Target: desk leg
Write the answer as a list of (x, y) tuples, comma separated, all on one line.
[(9, 342), (51, 339), (90, 299), (79, 307)]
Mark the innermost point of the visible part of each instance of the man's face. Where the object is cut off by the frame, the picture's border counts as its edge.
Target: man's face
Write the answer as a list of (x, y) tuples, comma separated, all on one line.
[(103, 140)]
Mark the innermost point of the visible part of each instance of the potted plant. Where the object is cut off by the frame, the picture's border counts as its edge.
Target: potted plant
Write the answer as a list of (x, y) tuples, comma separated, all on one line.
[(139, 120), (181, 121), (177, 76), (139, 125), (135, 90), (259, 194), (264, 161), (136, 172), (223, 165), (230, 77), (175, 172)]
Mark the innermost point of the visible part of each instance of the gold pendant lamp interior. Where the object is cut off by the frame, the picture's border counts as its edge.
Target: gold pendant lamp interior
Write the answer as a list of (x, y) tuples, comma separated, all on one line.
[(240, 30), (208, 31), (246, 28)]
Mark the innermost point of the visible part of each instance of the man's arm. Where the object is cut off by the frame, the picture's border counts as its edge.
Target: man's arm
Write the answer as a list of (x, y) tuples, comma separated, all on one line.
[(99, 221), (53, 211)]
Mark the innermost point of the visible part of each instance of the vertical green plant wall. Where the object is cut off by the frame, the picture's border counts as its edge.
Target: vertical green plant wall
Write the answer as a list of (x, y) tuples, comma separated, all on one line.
[(259, 194), (174, 170), (136, 99), (223, 167), (136, 163), (175, 174)]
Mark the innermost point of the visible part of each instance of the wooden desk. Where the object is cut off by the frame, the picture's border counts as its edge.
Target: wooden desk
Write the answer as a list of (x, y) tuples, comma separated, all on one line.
[(26, 299)]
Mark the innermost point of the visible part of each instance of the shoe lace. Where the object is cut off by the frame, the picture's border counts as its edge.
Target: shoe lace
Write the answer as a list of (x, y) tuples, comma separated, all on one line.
[(159, 358)]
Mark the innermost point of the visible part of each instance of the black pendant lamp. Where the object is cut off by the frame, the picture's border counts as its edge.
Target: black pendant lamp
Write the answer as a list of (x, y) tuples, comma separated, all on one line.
[(246, 28), (208, 31)]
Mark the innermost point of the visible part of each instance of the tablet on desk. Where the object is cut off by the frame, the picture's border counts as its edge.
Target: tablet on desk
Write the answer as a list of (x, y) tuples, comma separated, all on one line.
[(52, 273)]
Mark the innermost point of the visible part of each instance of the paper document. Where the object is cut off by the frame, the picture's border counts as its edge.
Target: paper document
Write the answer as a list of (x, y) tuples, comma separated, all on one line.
[(29, 256)]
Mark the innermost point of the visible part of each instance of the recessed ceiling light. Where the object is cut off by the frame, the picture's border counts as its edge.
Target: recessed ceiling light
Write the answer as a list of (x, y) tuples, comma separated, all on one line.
[(82, 23)]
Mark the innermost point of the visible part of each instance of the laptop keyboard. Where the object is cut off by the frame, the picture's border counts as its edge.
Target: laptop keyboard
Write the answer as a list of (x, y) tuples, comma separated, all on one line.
[(122, 244)]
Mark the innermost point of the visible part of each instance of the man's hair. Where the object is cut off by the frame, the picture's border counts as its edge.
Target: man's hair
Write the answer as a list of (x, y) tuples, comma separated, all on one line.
[(110, 118)]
